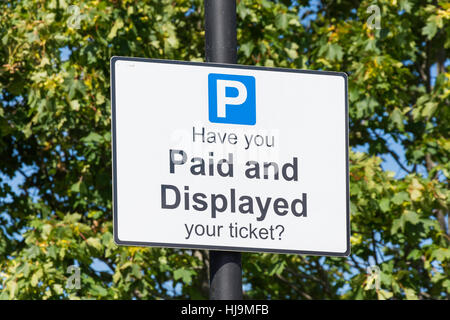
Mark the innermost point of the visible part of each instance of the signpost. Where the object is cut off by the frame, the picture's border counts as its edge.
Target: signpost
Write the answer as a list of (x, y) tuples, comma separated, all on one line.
[(221, 46), (256, 163), (229, 158)]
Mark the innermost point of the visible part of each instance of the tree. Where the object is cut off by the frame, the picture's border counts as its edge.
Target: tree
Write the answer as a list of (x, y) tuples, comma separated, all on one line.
[(55, 140)]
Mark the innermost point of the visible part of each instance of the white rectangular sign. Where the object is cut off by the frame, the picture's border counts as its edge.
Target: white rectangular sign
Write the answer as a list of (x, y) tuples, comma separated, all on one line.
[(229, 157)]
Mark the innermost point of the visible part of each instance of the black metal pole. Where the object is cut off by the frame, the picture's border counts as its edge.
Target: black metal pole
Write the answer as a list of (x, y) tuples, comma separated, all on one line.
[(221, 46), (220, 31)]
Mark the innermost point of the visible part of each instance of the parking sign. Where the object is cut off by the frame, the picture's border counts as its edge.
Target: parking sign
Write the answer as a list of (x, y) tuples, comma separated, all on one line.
[(229, 157)]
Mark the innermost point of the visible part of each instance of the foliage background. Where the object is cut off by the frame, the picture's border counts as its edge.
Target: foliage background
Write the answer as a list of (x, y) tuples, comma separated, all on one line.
[(55, 142)]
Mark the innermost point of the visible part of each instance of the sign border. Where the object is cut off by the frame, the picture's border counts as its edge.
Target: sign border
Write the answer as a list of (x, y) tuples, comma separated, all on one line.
[(114, 59)]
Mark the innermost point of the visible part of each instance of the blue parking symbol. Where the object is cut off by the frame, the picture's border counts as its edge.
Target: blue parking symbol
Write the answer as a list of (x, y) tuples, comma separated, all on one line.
[(232, 99)]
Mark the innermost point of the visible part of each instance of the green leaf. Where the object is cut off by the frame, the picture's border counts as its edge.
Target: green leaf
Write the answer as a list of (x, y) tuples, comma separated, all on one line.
[(266, 4), (76, 187), (98, 290), (292, 53), (277, 268), (52, 252), (93, 137), (335, 52), (415, 254), (36, 277), (118, 24), (411, 217), (12, 287), (242, 10), (75, 105), (247, 48), (384, 204), (33, 251), (400, 198), (384, 294), (94, 242), (405, 5), (136, 271), (446, 284), (184, 274), (396, 225), (410, 294), (46, 229), (441, 254), (72, 218), (99, 98), (95, 214), (281, 21), (117, 277), (430, 28), (397, 118), (429, 109), (58, 289)]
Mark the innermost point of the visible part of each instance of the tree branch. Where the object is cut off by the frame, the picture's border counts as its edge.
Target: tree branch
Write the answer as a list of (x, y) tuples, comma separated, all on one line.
[(295, 287)]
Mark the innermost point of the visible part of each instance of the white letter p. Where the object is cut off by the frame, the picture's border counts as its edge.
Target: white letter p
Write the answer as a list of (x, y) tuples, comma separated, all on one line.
[(223, 100)]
